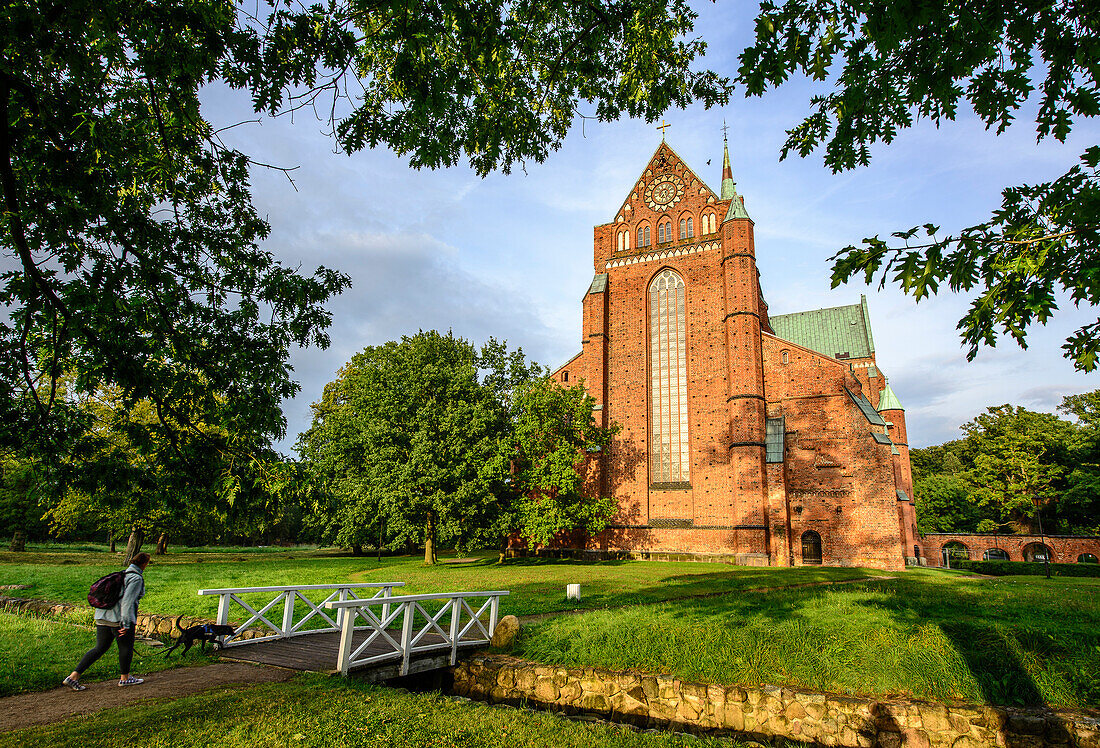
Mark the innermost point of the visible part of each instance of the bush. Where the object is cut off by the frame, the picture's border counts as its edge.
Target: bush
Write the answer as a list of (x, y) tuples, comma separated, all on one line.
[(1005, 568)]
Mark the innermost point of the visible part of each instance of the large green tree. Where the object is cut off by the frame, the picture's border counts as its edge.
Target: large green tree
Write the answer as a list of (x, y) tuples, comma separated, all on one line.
[(553, 444), (408, 435), (130, 244), (429, 440), (886, 64)]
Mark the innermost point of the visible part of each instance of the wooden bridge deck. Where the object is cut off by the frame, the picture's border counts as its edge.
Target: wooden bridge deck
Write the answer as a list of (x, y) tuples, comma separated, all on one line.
[(318, 653)]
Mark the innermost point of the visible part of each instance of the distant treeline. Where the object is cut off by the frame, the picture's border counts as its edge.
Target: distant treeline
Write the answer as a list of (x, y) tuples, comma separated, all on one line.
[(1014, 467)]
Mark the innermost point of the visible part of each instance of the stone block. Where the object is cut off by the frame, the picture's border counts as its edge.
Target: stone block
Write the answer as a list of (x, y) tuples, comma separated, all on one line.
[(959, 723), (627, 702), (525, 678), (545, 690), (570, 691), (934, 718), (594, 702), (914, 738), (506, 632), (734, 719), (735, 695), (889, 740), (1026, 724)]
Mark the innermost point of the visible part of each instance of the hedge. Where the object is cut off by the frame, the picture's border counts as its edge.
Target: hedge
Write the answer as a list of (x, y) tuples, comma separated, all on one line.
[(1003, 568)]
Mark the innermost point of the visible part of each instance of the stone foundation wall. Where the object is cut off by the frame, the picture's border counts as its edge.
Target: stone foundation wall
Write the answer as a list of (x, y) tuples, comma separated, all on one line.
[(147, 623), (766, 711)]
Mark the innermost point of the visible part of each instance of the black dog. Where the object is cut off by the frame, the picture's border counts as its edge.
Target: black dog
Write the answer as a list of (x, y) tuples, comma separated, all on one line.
[(203, 633)]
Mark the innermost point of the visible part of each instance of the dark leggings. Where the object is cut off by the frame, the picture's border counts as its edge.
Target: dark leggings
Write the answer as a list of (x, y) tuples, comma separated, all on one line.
[(104, 635)]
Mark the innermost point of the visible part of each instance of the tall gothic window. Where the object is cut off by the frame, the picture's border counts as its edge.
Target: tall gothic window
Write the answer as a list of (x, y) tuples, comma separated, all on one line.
[(668, 426), (691, 229)]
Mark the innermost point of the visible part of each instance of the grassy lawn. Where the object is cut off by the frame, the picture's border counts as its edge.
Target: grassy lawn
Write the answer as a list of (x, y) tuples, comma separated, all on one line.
[(35, 654), (315, 712), (536, 585), (930, 634)]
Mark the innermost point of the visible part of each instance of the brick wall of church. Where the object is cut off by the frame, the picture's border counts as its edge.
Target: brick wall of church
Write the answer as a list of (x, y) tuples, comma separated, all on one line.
[(835, 480), (839, 481)]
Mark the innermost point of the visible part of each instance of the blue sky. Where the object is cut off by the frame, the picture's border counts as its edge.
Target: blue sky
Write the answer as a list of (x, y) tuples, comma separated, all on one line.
[(511, 255)]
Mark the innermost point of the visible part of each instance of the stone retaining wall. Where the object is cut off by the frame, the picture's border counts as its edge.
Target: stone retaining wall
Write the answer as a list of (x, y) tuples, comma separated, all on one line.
[(766, 712), (147, 623)]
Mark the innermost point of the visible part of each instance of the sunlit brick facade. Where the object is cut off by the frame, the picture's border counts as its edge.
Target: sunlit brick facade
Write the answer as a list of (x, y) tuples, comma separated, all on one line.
[(742, 437)]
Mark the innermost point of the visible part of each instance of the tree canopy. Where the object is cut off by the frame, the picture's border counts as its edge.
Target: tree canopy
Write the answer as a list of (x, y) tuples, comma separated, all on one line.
[(430, 440), (132, 248), (1009, 459), (889, 64)]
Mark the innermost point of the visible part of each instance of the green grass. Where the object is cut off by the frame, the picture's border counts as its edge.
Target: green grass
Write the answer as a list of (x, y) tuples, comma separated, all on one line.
[(536, 585), (933, 635), (36, 653), (315, 712)]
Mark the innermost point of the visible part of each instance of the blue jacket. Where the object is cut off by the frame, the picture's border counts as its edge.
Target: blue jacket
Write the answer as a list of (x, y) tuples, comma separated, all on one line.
[(125, 611)]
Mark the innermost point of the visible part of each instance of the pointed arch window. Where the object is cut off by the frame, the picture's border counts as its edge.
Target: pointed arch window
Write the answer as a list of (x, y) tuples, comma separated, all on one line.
[(683, 228), (668, 424), (643, 236), (691, 229)]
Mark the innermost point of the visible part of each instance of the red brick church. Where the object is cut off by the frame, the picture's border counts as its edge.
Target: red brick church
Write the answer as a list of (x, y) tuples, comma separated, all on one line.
[(772, 440)]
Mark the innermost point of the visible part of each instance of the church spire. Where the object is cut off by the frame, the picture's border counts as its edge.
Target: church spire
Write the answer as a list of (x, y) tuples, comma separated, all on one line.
[(729, 187)]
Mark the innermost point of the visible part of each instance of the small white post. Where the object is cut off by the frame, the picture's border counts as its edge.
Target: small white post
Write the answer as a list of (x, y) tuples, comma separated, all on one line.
[(347, 631), (342, 612), (406, 635), (456, 613), (223, 608), (387, 591), (573, 592), (289, 598), (494, 613)]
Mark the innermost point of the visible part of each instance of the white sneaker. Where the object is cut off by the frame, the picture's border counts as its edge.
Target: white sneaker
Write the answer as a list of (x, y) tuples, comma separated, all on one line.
[(131, 681)]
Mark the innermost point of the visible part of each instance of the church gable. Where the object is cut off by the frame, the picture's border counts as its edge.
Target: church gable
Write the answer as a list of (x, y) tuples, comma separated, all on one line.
[(663, 186)]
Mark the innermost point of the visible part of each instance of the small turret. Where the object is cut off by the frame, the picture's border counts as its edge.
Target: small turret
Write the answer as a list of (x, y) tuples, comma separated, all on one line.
[(888, 400)]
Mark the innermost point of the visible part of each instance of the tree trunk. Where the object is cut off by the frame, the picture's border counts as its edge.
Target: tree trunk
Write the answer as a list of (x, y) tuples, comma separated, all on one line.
[(429, 541), (356, 549), (18, 542), (134, 543), (112, 540), (162, 544), (503, 549)]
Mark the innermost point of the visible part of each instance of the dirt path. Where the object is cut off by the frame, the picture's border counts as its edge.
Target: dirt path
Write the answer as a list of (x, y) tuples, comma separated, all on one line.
[(46, 707)]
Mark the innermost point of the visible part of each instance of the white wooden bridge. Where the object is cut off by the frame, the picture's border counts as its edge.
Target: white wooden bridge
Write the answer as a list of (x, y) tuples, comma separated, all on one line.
[(342, 627)]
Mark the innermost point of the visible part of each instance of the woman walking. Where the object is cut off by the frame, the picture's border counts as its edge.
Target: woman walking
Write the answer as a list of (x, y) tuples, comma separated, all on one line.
[(117, 624)]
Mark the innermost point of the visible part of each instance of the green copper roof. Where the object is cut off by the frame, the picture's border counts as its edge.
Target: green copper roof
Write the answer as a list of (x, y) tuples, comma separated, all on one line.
[(599, 283), (868, 412), (737, 209), (842, 331), (888, 400)]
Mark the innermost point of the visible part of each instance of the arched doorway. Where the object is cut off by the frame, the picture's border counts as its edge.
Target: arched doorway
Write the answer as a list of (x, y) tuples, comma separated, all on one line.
[(954, 551), (1037, 552), (811, 547), (1088, 558), (995, 554)]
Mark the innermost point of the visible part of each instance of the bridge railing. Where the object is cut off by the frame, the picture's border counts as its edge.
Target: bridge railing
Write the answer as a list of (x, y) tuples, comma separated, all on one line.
[(289, 622), (455, 623)]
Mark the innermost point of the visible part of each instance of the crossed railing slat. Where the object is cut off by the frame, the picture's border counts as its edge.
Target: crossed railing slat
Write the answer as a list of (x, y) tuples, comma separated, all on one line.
[(452, 632), (290, 595)]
